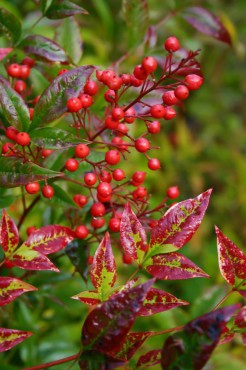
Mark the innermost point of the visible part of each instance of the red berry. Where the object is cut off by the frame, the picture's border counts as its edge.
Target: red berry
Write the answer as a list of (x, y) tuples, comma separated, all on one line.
[(142, 145), (111, 123), (28, 62), (136, 82), (154, 127), (157, 111), (139, 177), (130, 115), (91, 87), (90, 178), (122, 129), (46, 152), (98, 209), (154, 164), (89, 260), (72, 164), (193, 81), (8, 149), (140, 73), (127, 259), (169, 98), (105, 176), (104, 189), (170, 113), (32, 187), (74, 104), (99, 75), (172, 44), (109, 96), (97, 223), (81, 232), (117, 113), (107, 75), (62, 71), (86, 100), (112, 157), (31, 113), (82, 151), (140, 192), (35, 100), (126, 78), (149, 64), (30, 230), (103, 199), (80, 200), (14, 70), (118, 174), (22, 138), (173, 192), (11, 133), (24, 71), (20, 86), (48, 191), (114, 83), (114, 224), (181, 92)]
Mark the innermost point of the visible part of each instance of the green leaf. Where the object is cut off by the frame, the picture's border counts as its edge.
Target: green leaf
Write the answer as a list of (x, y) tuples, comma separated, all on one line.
[(61, 198), (14, 108), (78, 253), (9, 25), (62, 9), (53, 138), (68, 36), (52, 103), (13, 172), (7, 200), (161, 249)]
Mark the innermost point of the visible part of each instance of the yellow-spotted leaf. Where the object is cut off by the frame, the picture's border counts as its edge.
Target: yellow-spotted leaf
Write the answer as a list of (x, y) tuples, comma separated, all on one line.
[(90, 297), (9, 235), (11, 288), (30, 259), (11, 337)]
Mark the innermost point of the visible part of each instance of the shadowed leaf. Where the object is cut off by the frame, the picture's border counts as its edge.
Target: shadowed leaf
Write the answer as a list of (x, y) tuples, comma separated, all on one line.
[(150, 358), (9, 236), (78, 253), (63, 8), (53, 138), (10, 25), (240, 323), (11, 288), (94, 360), (10, 338)]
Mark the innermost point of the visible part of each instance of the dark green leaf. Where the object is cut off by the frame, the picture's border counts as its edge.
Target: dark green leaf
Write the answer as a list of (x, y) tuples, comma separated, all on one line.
[(53, 138), (68, 36), (78, 253), (13, 107), (9, 25), (13, 172), (62, 9), (52, 103), (61, 198), (7, 200)]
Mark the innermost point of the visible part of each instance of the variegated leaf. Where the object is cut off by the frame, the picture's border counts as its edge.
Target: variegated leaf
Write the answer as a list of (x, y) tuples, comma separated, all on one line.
[(32, 260), (11, 337), (150, 358), (90, 297), (11, 288), (9, 236)]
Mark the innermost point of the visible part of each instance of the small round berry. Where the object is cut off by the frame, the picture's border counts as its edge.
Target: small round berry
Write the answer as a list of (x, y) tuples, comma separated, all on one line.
[(48, 191), (14, 70), (130, 115), (181, 92), (71, 164), (140, 192), (20, 86), (118, 174), (114, 224), (173, 192), (31, 113), (32, 187), (104, 189), (90, 260), (112, 157), (109, 96), (8, 149), (81, 232), (27, 61), (117, 113), (24, 71), (46, 152), (107, 75), (62, 71), (172, 44), (86, 100), (170, 113), (139, 177), (149, 64), (126, 78), (11, 133), (122, 129), (74, 104), (90, 87), (142, 145), (140, 73), (82, 151), (114, 83), (127, 259), (136, 82), (30, 230), (105, 176), (169, 98), (157, 111), (103, 199), (154, 127), (99, 74), (80, 200), (111, 123), (98, 209), (90, 178), (154, 164), (22, 138), (97, 223), (193, 81)]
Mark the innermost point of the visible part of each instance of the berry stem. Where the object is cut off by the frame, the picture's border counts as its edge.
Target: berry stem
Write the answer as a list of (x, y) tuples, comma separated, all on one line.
[(54, 363)]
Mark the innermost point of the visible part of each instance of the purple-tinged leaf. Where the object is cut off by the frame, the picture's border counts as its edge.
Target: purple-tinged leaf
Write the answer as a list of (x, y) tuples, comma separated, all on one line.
[(53, 101), (158, 301), (32, 260), (192, 348), (172, 266), (130, 284), (49, 239), (240, 323), (4, 52), (53, 138), (9, 25), (9, 235), (226, 336), (11, 288), (44, 48), (103, 268), (131, 343), (180, 222), (14, 172), (14, 108), (63, 8), (132, 235), (108, 324), (11, 337), (207, 23), (150, 358), (90, 297), (232, 261)]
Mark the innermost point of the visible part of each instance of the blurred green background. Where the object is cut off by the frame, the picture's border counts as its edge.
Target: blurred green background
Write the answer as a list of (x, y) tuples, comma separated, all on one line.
[(203, 147)]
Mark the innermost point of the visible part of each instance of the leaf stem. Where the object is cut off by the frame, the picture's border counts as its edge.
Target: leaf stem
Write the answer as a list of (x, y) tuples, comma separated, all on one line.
[(166, 331), (37, 21), (54, 363)]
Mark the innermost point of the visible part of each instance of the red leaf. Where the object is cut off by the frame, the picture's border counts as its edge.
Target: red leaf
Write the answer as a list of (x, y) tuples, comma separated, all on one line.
[(11, 288), (232, 261), (158, 301), (131, 343), (49, 239), (4, 52), (180, 222), (9, 237), (103, 269), (32, 260), (88, 297), (240, 322), (206, 22), (127, 286), (150, 358), (172, 266), (10, 338), (108, 324), (226, 336), (132, 235)]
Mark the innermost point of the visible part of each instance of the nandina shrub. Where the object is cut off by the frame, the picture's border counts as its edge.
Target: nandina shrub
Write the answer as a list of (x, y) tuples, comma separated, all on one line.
[(67, 148)]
